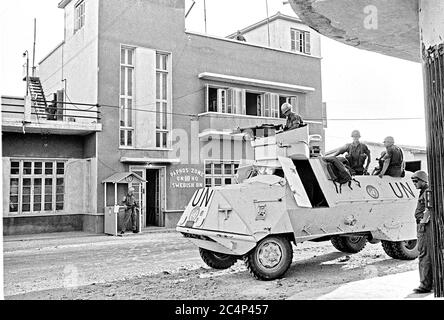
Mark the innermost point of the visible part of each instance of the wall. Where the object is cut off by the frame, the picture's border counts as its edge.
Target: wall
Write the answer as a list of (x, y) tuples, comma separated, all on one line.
[(32, 225), (192, 54), (280, 36), (76, 61), (42, 146)]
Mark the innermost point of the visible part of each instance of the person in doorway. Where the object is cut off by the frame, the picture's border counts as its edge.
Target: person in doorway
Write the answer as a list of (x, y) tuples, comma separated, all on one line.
[(357, 154), (422, 216), (240, 37), (393, 160), (293, 120), (130, 204)]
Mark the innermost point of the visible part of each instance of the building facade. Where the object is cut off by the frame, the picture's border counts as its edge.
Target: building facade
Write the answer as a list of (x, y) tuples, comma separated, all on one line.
[(166, 102)]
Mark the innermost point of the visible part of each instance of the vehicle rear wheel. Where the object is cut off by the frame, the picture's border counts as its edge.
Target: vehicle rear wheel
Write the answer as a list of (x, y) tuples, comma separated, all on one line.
[(217, 260), (403, 250), (270, 259), (349, 244)]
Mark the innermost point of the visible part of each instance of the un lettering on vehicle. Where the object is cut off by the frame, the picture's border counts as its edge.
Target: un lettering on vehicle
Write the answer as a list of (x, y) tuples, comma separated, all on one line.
[(197, 210)]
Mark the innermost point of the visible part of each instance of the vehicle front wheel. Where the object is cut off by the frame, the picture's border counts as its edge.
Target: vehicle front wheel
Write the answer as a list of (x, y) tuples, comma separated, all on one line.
[(270, 259), (217, 260), (349, 244), (402, 250)]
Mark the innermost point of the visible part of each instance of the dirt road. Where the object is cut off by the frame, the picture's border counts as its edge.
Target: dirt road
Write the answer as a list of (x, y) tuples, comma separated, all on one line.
[(167, 266)]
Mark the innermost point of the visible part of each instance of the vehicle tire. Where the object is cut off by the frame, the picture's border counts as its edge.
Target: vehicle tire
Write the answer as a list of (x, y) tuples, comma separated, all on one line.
[(402, 250), (270, 259), (217, 260), (349, 244)]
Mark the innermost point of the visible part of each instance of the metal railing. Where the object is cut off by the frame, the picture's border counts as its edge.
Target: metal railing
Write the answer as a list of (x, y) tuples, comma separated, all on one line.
[(53, 111)]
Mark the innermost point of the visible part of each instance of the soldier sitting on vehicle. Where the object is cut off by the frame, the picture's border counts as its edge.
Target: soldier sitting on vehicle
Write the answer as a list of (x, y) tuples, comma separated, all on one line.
[(357, 154), (393, 160)]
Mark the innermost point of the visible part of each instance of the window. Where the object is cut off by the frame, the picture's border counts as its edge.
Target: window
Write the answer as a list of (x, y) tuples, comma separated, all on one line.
[(220, 173), (36, 186), (162, 93), (300, 41), (126, 96), (79, 15), (226, 100)]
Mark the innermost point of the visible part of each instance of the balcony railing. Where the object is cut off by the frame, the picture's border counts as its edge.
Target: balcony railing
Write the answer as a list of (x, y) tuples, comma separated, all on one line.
[(32, 115)]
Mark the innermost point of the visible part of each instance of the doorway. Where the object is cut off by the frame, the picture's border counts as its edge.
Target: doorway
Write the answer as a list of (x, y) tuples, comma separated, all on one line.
[(153, 208)]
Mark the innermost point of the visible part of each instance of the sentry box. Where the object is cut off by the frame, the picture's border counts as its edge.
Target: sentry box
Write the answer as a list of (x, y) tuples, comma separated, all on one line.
[(286, 196)]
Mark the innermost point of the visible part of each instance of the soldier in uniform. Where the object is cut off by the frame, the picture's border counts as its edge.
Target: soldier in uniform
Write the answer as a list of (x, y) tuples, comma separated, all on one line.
[(293, 120), (422, 216), (357, 154), (393, 160), (130, 204)]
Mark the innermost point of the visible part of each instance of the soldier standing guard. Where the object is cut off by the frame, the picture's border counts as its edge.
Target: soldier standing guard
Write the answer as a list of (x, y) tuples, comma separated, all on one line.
[(130, 204), (422, 216)]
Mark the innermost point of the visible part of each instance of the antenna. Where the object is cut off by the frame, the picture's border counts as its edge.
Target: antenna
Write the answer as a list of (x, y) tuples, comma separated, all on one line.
[(33, 50), (268, 22), (205, 15), (192, 5)]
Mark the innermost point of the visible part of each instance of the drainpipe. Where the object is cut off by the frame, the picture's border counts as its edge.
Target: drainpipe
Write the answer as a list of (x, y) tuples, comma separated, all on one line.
[(431, 26)]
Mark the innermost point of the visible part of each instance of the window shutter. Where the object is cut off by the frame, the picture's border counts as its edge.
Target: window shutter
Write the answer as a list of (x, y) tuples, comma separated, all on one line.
[(307, 42), (260, 107), (207, 97), (275, 105), (243, 102), (298, 41), (221, 100), (237, 101), (294, 102), (293, 40), (230, 98), (268, 105)]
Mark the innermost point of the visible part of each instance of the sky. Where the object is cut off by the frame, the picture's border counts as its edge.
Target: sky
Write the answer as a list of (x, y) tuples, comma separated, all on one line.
[(356, 84)]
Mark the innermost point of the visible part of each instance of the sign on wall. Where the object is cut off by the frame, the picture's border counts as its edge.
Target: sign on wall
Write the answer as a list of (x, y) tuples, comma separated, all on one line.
[(186, 177)]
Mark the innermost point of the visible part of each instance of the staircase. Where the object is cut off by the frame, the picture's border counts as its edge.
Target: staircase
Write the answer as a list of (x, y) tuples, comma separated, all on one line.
[(35, 90)]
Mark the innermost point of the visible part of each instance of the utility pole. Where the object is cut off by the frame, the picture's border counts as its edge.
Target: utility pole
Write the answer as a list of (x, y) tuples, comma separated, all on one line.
[(431, 29)]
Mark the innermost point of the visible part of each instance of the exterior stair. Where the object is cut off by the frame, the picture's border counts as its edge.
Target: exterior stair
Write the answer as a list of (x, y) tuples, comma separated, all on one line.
[(35, 90)]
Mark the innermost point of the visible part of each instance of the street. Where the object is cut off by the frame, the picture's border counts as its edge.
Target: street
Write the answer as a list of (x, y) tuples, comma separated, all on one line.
[(165, 265)]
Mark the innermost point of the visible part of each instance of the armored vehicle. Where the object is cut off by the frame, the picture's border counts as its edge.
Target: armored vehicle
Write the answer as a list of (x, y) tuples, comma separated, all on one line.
[(287, 196)]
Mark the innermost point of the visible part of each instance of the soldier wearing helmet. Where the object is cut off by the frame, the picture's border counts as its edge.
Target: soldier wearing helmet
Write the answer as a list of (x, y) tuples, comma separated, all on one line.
[(130, 203), (293, 120), (393, 160), (422, 216), (357, 154)]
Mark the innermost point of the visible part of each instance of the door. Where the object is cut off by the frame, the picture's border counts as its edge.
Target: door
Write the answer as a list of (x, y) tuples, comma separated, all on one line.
[(139, 192), (153, 197)]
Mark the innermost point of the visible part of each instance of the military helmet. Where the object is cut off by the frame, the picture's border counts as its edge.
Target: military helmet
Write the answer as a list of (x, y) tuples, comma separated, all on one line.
[(389, 139), (355, 133), (421, 175), (285, 107)]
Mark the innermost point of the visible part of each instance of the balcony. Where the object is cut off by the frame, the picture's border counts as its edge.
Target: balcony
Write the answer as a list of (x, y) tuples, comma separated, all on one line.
[(31, 116)]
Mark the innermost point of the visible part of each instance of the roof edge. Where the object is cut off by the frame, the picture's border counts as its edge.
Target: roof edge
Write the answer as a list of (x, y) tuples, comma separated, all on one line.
[(258, 24), (62, 4)]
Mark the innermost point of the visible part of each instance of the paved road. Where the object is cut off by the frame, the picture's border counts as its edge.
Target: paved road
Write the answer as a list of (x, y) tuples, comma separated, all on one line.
[(79, 260)]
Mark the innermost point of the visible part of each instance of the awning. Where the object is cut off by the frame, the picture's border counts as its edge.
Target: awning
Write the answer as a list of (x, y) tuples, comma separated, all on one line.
[(124, 177), (150, 160), (255, 82)]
